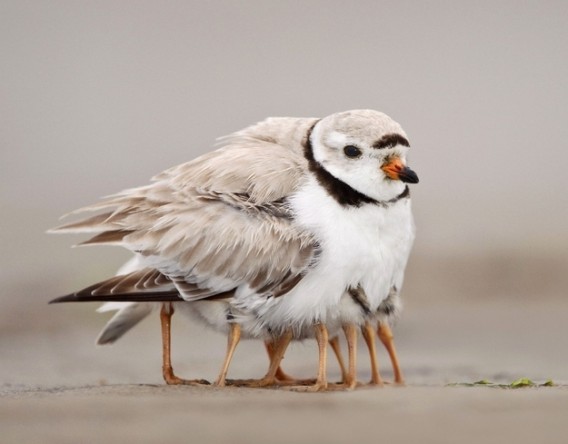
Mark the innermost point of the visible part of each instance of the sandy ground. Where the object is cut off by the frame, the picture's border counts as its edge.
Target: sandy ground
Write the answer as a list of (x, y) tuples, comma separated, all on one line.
[(57, 386)]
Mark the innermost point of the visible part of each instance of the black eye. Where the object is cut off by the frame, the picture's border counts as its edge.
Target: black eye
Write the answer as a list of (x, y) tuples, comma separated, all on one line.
[(352, 151)]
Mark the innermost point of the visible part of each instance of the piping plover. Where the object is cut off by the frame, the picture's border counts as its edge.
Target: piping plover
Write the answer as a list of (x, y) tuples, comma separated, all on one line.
[(283, 220)]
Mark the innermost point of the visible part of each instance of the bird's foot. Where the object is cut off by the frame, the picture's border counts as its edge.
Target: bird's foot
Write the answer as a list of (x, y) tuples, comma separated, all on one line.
[(253, 383), (299, 382), (174, 380), (320, 386), (344, 386)]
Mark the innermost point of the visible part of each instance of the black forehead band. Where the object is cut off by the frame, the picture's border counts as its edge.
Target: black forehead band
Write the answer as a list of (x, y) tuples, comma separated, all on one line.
[(390, 141)]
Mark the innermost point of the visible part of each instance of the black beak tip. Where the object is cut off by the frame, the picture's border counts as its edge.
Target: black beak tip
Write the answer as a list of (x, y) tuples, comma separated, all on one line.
[(408, 176)]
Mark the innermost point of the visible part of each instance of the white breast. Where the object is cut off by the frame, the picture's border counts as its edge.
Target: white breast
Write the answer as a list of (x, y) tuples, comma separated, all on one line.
[(368, 245)]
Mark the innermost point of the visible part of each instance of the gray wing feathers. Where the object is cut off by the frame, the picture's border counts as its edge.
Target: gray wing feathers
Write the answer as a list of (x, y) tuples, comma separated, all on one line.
[(219, 221)]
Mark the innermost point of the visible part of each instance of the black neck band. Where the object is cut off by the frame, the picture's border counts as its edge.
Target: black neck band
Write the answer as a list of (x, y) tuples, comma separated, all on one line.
[(339, 190)]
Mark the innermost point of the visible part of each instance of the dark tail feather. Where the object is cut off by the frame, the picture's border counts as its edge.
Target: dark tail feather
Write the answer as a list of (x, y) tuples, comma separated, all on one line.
[(146, 285), (160, 296)]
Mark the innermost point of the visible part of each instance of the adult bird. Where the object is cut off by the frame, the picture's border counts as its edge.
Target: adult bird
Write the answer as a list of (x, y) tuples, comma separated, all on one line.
[(283, 221)]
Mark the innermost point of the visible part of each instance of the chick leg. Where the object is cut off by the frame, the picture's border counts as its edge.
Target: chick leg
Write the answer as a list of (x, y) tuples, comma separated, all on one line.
[(278, 348), (322, 338), (334, 343), (232, 342), (335, 346), (369, 336), (350, 382), (281, 375), (387, 338), (167, 370)]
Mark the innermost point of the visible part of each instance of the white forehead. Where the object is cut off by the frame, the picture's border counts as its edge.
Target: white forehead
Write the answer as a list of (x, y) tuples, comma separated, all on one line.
[(363, 126)]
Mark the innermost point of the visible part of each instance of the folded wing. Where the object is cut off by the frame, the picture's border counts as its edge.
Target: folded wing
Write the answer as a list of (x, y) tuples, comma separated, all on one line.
[(211, 225)]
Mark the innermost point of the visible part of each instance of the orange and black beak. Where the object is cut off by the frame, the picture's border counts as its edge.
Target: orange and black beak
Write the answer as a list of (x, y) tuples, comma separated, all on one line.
[(396, 170)]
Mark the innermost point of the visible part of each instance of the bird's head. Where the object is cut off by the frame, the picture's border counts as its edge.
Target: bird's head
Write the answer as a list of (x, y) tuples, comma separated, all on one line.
[(366, 150)]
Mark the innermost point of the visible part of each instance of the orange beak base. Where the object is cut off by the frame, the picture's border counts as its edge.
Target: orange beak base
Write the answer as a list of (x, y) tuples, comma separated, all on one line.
[(396, 170)]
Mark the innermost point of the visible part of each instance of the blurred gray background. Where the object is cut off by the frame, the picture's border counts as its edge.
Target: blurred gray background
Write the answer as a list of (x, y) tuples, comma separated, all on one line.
[(98, 96)]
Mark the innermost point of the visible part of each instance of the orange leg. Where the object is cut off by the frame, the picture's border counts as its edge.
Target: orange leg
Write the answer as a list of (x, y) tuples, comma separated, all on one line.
[(369, 336), (167, 369), (278, 348), (322, 338), (232, 341), (387, 338), (281, 375), (350, 331), (334, 343)]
